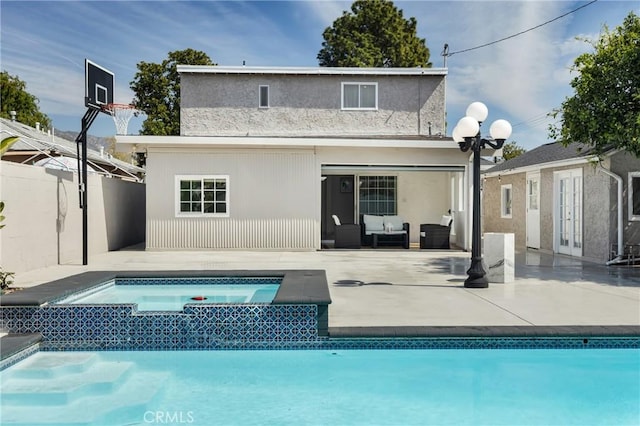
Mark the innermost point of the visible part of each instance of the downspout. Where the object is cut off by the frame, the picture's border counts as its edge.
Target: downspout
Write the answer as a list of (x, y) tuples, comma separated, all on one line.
[(618, 179)]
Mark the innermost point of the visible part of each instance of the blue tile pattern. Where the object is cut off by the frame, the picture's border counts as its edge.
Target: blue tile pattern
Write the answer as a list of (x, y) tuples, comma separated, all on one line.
[(199, 281), (482, 343), (199, 326), (425, 343)]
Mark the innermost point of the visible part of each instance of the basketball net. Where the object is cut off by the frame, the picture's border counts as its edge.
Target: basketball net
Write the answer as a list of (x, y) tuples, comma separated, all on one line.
[(121, 114)]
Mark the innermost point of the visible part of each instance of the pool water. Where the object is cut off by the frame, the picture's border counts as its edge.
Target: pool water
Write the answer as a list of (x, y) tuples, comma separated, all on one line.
[(319, 387), (167, 297)]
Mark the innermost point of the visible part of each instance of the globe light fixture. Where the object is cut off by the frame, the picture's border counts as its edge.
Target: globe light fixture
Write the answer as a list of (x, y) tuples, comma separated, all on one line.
[(478, 111), (467, 135)]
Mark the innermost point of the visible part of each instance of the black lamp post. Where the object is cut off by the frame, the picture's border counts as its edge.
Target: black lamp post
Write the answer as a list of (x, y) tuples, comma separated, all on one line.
[(467, 134)]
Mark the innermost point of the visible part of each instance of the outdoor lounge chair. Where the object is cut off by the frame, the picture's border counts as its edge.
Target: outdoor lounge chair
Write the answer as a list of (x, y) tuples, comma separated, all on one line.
[(347, 235), (436, 236)]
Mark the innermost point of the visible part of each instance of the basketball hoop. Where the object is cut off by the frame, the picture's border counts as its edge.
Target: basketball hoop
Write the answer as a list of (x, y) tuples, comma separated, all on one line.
[(121, 114)]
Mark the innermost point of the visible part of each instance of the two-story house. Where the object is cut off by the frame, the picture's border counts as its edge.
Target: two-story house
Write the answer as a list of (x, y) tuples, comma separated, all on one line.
[(267, 155)]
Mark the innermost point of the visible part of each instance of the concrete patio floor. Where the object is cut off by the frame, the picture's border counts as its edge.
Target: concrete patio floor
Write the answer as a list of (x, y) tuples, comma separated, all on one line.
[(382, 288)]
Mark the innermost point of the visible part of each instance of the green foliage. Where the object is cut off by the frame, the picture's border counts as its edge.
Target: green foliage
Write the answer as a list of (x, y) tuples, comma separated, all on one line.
[(374, 34), (6, 279), (1, 216), (14, 96), (512, 150), (6, 144), (111, 149), (604, 112), (157, 91)]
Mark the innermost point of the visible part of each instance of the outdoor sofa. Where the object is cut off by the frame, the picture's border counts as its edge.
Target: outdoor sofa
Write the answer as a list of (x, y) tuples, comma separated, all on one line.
[(383, 230)]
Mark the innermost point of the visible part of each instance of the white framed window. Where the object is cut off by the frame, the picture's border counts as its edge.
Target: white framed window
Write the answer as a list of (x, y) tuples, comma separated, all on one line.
[(359, 96), (633, 190), (263, 97), (506, 198), (202, 196), (378, 195)]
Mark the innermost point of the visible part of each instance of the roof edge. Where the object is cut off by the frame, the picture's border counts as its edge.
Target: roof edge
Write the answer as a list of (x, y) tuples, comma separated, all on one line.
[(214, 69)]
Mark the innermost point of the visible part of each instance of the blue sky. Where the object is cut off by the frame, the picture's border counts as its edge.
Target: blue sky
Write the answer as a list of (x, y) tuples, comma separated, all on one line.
[(521, 79)]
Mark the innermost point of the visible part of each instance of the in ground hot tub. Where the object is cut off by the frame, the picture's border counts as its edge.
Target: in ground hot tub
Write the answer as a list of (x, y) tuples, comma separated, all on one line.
[(173, 293), (261, 309)]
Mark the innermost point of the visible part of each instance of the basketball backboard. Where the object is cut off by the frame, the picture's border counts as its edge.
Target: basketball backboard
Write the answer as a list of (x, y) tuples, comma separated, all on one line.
[(98, 87)]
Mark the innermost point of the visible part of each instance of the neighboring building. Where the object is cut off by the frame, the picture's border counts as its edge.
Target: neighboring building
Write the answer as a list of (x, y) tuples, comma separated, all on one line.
[(36, 147), (565, 200), (267, 155)]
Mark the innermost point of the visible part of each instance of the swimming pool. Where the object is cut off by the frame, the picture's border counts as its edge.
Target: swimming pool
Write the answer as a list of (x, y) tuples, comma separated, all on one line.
[(325, 387), (173, 294)]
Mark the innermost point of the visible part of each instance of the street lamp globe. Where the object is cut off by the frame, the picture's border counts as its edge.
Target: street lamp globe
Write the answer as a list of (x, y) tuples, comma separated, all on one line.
[(477, 110), (455, 134), (500, 130), (468, 127)]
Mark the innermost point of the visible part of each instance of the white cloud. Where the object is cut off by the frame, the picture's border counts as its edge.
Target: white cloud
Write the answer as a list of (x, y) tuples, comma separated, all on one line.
[(327, 11)]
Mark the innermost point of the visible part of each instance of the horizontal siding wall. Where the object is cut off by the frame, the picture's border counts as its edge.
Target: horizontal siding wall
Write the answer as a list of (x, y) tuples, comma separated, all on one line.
[(273, 200), (222, 234)]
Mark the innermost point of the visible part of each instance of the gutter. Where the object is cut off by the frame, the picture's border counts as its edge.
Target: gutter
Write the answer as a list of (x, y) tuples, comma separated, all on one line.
[(619, 258)]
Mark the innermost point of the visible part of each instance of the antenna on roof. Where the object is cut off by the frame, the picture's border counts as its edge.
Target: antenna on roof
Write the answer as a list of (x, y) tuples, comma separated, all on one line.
[(445, 54)]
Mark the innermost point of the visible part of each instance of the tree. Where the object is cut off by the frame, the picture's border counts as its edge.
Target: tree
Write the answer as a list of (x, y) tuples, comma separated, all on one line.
[(374, 34), (512, 150), (111, 149), (604, 112), (14, 97), (157, 91)]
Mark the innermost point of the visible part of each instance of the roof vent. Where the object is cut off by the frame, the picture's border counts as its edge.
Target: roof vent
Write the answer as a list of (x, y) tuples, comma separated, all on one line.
[(13, 115)]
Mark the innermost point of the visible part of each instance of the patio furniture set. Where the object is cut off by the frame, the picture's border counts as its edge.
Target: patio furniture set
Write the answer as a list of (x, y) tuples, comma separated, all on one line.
[(374, 231)]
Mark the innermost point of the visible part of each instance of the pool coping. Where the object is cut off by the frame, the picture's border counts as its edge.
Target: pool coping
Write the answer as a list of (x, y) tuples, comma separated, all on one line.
[(305, 286), (632, 331), (12, 344)]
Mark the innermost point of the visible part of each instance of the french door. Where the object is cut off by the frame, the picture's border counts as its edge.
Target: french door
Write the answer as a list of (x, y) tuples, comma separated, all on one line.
[(568, 212), (533, 210)]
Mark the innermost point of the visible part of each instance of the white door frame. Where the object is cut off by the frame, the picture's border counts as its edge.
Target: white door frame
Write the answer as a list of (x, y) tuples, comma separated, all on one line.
[(567, 212), (533, 210)]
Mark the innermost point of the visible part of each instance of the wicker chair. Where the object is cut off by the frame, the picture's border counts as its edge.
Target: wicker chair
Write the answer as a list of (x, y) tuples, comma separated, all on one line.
[(347, 235), (436, 236)]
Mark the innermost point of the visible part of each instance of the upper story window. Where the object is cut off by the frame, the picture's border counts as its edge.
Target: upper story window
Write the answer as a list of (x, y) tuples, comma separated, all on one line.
[(360, 96), (634, 196), (202, 196), (263, 97)]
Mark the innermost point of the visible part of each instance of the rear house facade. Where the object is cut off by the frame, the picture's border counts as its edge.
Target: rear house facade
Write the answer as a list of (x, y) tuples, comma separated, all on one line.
[(266, 156)]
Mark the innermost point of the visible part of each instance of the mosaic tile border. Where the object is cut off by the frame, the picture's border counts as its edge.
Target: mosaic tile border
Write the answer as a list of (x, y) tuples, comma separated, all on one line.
[(19, 356), (240, 280), (488, 343), (201, 326)]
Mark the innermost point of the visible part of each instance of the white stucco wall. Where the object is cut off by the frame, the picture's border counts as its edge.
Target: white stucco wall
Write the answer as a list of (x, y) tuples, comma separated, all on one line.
[(308, 105), (44, 220)]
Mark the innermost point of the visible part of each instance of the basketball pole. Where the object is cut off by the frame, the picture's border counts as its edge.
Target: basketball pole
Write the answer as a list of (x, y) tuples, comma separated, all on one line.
[(81, 139)]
